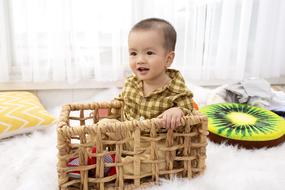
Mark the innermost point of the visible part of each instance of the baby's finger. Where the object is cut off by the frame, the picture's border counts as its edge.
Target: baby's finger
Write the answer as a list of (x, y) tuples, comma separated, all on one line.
[(173, 123), (164, 121), (178, 122), (168, 122)]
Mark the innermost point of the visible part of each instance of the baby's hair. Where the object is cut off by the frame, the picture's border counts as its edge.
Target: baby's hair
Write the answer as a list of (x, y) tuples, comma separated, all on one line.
[(157, 23)]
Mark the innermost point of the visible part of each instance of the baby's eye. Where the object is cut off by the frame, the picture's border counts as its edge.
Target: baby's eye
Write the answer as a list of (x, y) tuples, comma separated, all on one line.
[(150, 53), (133, 53)]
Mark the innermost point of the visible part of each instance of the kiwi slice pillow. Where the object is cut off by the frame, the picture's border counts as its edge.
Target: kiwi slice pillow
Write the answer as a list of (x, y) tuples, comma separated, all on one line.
[(245, 125)]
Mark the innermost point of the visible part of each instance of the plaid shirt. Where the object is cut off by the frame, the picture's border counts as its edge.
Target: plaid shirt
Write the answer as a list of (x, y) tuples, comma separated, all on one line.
[(174, 94)]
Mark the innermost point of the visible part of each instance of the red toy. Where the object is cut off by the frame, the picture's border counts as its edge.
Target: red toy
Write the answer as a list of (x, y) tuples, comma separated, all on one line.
[(74, 162)]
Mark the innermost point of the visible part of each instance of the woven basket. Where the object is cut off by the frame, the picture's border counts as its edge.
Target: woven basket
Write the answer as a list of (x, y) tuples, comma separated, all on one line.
[(185, 150)]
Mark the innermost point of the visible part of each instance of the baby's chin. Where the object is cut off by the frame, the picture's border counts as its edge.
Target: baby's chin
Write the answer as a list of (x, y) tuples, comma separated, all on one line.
[(141, 76)]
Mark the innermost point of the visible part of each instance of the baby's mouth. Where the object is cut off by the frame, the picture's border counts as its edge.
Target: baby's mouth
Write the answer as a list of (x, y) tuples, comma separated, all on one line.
[(141, 69)]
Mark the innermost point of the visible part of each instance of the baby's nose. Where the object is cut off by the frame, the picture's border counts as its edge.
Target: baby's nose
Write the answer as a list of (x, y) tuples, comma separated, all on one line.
[(140, 59)]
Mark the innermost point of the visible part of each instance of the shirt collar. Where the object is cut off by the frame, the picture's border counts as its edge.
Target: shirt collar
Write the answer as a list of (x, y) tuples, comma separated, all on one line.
[(176, 81)]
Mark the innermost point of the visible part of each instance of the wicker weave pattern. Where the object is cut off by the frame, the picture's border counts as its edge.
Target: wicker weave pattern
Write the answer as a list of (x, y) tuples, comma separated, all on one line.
[(185, 150)]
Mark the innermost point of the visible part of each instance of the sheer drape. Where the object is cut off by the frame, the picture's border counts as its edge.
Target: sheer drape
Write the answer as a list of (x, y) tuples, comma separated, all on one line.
[(74, 40), (5, 55), (225, 39), (63, 40)]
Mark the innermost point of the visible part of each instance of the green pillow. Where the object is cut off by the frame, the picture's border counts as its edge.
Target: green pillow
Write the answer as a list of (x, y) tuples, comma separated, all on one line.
[(245, 125)]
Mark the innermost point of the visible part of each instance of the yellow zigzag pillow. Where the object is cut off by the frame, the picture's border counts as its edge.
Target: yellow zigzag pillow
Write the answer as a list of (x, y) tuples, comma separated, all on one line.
[(21, 112)]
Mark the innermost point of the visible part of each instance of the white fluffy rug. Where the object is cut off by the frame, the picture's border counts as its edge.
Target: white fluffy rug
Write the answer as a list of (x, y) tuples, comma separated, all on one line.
[(29, 162)]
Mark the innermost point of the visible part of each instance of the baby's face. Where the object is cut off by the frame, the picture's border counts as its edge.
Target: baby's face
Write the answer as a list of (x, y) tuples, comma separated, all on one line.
[(148, 58)]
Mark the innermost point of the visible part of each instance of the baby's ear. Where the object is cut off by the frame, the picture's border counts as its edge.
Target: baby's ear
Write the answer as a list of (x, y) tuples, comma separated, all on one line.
[(170, 58)]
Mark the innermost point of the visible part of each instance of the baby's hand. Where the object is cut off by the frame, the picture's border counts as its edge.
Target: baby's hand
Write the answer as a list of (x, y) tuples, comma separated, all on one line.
[(171, 117)]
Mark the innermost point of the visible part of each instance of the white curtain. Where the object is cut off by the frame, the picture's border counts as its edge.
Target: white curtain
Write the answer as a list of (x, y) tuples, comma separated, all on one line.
[(5, 55), (75, 40), (63, 40), (224, 39)]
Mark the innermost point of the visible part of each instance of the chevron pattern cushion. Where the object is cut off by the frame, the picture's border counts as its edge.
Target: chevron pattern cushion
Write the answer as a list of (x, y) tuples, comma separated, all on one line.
[(21, 112)]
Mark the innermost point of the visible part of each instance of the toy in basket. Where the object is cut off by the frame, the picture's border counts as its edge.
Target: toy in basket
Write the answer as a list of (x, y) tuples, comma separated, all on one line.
[(154, 152)]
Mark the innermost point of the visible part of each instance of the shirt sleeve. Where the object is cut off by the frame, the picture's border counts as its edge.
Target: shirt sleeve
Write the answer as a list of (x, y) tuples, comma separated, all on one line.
[(121, 96), (184, 102), (124, 96)]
